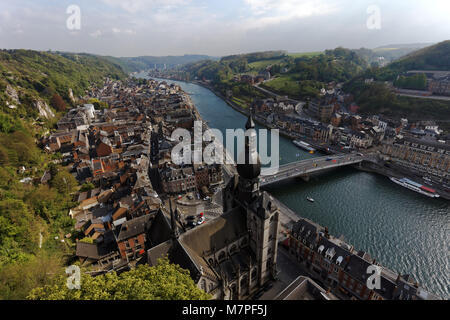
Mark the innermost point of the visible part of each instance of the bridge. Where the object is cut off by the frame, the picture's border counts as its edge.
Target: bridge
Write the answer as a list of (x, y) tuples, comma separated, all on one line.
[(304, 168)]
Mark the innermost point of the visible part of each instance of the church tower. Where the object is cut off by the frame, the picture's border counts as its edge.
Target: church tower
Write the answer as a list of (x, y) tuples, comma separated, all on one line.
[(262, 215), (249, 166)]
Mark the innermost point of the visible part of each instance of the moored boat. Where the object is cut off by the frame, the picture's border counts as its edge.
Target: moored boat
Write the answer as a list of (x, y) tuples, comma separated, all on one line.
[(414, 186), (304, 146)]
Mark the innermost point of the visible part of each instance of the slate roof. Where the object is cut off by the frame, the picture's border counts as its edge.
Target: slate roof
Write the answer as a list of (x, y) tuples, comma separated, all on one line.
[(133, 227)]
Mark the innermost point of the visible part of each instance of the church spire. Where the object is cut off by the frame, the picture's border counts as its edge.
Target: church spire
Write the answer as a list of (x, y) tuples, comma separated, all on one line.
[(249, 165), (173, 222)]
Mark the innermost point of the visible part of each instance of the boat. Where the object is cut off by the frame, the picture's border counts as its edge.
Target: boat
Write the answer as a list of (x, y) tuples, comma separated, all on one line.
[(303, 145), (414, 186), (310, 199)]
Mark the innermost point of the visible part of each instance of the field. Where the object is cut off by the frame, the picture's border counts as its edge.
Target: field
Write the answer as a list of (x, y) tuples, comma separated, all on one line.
[(285, 85), (259, 65), (241, 103), (304, 54)]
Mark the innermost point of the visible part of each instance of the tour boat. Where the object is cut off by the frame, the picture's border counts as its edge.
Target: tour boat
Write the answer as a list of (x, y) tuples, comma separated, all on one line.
[(414, 186), (304, 146), (310, 199)]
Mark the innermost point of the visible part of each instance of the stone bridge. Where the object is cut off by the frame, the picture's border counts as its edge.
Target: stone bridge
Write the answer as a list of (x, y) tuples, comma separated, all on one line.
[(304, 168)]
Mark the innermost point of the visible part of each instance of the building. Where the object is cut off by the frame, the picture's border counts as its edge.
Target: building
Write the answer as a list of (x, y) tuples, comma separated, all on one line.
[(234, 255), (304, 288), (344, 270), (426, 157), (323, 112), (132, 237)]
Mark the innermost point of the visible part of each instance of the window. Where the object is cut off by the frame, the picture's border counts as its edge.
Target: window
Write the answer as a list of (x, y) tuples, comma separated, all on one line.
[(221, 256)]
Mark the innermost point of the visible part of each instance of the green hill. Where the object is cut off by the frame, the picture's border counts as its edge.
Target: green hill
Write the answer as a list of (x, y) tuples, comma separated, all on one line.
[(34, 90), (436, 57), (378, 98), (29, 80)]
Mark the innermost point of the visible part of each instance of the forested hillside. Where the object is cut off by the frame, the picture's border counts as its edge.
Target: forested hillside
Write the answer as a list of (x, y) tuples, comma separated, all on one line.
[(378, 98), (35, 88)]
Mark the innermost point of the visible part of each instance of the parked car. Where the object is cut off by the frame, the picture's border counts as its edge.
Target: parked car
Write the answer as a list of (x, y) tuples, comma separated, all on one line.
[(201, 220), (191, 224)]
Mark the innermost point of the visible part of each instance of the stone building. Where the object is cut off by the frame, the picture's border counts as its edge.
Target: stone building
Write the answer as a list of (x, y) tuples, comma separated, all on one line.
[(234, 255), (423, 156)]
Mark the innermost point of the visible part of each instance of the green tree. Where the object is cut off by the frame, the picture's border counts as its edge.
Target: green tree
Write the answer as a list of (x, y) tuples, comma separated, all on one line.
[(165, 281), (87, 186), (18, 279), (64, 182)]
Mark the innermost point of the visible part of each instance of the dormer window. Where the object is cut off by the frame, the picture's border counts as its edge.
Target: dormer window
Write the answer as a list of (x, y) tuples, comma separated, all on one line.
[(330, 253)]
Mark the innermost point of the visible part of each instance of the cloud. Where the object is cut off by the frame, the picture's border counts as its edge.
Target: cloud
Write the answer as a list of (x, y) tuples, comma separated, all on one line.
[(269, 12), (135, 6), (96, 34), (124, 31)]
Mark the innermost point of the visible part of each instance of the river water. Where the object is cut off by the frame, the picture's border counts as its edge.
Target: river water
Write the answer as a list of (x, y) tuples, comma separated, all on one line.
[(403, 230)]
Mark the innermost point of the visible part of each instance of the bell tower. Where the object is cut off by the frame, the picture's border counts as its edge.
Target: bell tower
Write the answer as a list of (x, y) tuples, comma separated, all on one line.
[(262, 214), (249, 166)]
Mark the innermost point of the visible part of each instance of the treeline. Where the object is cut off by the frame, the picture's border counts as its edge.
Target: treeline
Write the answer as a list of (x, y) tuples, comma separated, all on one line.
[(377, 98), (415, 82), (337, 65)]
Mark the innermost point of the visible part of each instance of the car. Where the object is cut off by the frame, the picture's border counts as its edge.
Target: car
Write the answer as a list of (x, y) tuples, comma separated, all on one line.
[(191, 224), (360, 154), (329, 159), (201, 220), (190, 197)]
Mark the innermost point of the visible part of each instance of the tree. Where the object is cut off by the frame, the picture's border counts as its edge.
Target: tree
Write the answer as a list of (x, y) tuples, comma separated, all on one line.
[(165, 281), (58, 103), (98, 105), (18, 279), (87, 187), (64, 182)]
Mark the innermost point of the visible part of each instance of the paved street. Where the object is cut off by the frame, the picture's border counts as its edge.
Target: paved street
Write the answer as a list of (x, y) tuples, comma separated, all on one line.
[(305, 167)]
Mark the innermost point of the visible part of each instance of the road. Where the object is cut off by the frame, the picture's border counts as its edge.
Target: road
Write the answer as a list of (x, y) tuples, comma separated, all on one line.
[(309, 166)]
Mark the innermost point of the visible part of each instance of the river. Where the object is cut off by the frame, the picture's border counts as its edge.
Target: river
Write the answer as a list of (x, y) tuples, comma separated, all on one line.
[(403, 230)]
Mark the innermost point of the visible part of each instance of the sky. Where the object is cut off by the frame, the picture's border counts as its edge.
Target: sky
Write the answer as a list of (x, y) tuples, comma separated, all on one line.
[(218, 27)]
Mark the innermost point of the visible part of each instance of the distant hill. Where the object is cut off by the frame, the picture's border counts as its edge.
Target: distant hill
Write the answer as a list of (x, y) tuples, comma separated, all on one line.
[(403, 46), (135, 64), (378, 98), (435, 57)]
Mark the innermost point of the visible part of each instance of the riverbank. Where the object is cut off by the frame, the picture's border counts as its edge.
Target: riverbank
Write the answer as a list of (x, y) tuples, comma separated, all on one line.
[(406, 232)]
